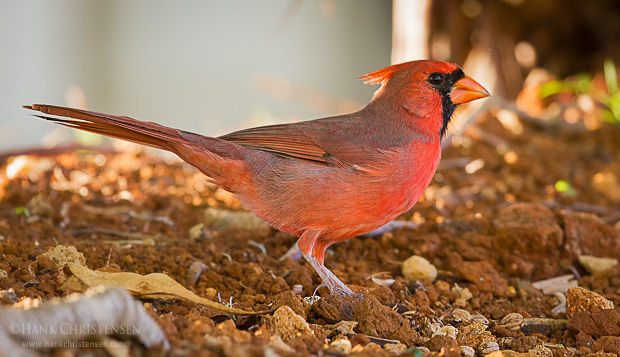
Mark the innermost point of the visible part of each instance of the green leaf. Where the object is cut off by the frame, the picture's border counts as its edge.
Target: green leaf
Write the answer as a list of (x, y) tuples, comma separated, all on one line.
[(563, 186), (610, 77), (551, 88), (22, 210)]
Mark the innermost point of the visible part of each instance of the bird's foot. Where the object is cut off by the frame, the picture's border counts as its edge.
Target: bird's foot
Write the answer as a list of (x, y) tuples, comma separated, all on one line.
[(331, 281)]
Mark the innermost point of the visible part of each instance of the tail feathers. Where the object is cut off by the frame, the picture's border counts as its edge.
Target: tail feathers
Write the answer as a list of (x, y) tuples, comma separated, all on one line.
[(120, 127), (219, 159)]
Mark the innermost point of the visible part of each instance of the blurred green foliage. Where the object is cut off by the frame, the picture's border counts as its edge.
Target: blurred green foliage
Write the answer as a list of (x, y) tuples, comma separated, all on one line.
[(22, 211), (583, 84), (566, 187)]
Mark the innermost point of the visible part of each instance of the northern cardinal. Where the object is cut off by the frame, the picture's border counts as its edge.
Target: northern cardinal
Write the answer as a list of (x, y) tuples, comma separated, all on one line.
[(324, 180)]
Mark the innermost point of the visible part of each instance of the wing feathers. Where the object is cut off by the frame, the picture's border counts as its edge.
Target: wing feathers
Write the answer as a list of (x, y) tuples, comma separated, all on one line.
[(285, 140)]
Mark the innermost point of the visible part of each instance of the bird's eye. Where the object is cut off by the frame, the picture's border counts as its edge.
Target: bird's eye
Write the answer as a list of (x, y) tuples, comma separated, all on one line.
[(435, 78)]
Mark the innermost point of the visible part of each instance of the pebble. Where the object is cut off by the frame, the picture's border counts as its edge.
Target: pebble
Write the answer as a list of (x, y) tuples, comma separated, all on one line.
[(199, 231), (460, 315), (487, 347), (63, 254), (596, 264), (341, 345), (418, 268), (467, 351), (288, 324), (480, 319), (484, 277), (421, 350), (513, 321), (540, 351), (580, 300), (449, 331), (395, 348)]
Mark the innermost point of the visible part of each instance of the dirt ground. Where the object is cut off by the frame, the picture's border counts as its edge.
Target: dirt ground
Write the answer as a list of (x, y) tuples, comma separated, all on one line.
[(514, 202)]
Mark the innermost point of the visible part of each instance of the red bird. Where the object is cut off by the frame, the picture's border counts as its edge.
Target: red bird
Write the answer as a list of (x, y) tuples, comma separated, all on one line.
[(324, 180)]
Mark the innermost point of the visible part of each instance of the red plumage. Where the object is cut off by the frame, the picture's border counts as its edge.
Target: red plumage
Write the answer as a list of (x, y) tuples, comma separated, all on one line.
[(325, 180)]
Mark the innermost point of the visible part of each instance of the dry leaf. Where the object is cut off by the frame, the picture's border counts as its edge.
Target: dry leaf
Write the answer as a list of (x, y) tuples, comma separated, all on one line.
[(152, 286)]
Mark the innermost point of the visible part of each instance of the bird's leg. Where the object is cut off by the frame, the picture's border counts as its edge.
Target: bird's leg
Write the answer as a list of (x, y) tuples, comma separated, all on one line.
[(335, 285), (294, 254), (308, 247)]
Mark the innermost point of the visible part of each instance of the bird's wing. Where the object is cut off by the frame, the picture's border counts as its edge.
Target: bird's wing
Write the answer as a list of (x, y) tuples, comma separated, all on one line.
[(331, 141)]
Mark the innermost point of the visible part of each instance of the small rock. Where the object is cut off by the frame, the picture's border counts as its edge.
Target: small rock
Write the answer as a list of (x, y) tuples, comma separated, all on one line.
[(421, 350), (480, 320), (487, 347), (63, 254), (505, 343), (474, 328), (418, 268), (395, 348), (601, 354), (341, 345), (524, 343), (528, 228), (512, 321), (295, 302), (288, 324), (484, 276), (474, 334), (40, 206), (596, 324), (374, 318), (8, 297), (558, 284), (586, 234), (440, 342), (276, 343), (541, 351), (428, 326), (609, 344), (580, 300), (583, 340), (460, 315), (467, 351), (333, 308), (341, 328), (449, 331), (596, 264), (384, 295), (199, 231)]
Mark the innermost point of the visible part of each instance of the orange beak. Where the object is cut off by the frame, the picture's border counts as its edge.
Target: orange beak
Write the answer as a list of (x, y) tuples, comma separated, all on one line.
[(466, 89)]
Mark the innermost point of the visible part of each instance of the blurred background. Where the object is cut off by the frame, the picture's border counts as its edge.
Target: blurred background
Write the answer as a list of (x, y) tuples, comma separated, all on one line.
[(214, 66)]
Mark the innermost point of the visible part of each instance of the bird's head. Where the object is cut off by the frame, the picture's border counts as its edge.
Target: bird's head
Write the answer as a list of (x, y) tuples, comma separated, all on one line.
[(429, 90)]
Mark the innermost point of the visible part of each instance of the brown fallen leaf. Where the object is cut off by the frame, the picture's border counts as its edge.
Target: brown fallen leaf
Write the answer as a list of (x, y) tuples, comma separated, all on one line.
[(151, 286)]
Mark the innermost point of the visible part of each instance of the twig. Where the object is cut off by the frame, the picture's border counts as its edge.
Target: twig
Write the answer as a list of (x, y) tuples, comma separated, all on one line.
[(137, 237), (580, 207), (148, 217)]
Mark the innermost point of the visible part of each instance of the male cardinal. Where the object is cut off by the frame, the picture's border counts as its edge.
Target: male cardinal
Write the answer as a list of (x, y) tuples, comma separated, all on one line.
[(324, 180)]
